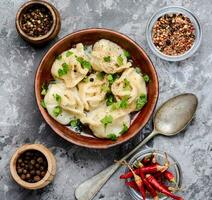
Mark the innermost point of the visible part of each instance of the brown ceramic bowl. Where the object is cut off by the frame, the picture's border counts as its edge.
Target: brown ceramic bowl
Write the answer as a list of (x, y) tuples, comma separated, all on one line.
[(52, 33), (88, 37)]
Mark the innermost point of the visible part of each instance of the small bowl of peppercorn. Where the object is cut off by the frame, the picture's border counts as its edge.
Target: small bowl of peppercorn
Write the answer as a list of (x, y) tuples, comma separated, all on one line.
[(38, 22), (33, 166), (174, 33)]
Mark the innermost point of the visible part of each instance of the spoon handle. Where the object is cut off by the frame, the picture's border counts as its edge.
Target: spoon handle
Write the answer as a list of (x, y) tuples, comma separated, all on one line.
[(88, 189)]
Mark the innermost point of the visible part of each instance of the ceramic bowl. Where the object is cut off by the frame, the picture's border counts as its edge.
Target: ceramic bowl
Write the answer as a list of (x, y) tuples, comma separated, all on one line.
[(89, 37), (51, 170), (38, 41)]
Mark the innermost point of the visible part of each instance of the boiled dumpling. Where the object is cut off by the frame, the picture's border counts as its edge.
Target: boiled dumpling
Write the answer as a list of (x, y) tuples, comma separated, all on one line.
[(63, 104), (97, 122), (113, 130), (130, 85), (108, 57), (93, 90), (71, 66)]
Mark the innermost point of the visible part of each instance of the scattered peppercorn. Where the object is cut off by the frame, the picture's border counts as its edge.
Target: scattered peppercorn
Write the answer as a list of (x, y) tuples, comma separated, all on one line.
[(173, 34), (36, 21), (31, 166)]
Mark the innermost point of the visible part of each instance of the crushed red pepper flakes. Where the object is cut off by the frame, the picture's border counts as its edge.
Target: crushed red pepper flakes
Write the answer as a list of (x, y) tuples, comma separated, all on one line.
[(173, 34)]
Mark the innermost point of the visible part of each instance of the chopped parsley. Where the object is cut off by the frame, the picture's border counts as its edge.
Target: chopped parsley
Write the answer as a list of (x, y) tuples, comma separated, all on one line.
[(138, 70), (85, 80), (108, 119), (120, 60), (64, 69), (107, 59), (127, 54), (69, 53), (120, 104), (43, 103), (84, 63), (141, 102), (112, 136), (111, 78), (146, 78), (110, 99), (74, 123), (127, 85), (44, 88), (100, 75), (105, 88), (124, 129), (59, 57), (57, 111), (57, 98)]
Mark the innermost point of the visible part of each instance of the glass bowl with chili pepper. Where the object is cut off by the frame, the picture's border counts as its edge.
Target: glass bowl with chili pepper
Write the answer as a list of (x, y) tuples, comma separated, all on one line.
[(38, 22), (174, 33), (152, 174)]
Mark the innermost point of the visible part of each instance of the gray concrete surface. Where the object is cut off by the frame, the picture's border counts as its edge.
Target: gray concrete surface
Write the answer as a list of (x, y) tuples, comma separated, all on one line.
[(21, 122)]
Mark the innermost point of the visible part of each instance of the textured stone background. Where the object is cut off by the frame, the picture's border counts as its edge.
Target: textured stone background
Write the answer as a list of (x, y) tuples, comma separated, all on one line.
[(20, 121)]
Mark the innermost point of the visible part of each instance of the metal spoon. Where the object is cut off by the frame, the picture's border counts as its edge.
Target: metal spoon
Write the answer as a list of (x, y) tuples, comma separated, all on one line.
[(171, 118)]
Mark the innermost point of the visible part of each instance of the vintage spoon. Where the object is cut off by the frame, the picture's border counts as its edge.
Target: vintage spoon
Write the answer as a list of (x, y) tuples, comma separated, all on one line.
[(171, 118)]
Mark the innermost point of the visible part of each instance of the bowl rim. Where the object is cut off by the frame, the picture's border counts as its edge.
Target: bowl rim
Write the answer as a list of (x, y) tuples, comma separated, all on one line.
[(46, 116), (171, 9), (50, 173), (46, 4)]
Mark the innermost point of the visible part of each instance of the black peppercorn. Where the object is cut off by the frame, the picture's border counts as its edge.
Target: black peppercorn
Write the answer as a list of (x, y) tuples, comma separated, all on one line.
[(31, 166)]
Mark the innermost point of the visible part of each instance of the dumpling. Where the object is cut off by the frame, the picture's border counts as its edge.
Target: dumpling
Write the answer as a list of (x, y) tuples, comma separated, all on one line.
[(63, 104), (92, 90), (108, 57), (71, 66), (118, 122), (130, 85)]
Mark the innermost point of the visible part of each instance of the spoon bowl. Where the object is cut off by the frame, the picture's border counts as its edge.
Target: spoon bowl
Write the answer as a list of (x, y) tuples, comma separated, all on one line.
[(175, 114)]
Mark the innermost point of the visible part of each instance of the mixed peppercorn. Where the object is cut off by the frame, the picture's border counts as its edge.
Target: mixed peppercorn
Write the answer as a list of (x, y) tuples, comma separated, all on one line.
[(173, 34), (31, 166), (36, 21)]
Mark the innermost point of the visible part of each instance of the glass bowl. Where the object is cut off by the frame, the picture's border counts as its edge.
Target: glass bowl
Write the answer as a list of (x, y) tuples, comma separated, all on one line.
[(170, 10), (174, 168)]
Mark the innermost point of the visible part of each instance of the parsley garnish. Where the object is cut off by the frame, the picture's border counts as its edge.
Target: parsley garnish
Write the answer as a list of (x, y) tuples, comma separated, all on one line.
[(124, 129), (64, 69), (43, 104), (111, 78), (127, 54), (44, 88), (146, 78), (108, 119), (120, 60), (100, 75), (84, 63), (138, 70), (57, 111), (112, 136), (107, 59), (85, 80), (69, 53), (57, 98), (105, 88), (110, 99), (59, 57), (141, 102), (120, 104), (127, 85), (74, 123)]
